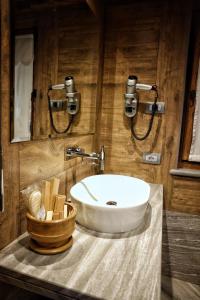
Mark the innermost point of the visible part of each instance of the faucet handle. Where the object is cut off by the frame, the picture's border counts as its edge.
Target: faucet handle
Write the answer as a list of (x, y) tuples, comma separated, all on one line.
[(73, 150), (69, 149), (77, 149)]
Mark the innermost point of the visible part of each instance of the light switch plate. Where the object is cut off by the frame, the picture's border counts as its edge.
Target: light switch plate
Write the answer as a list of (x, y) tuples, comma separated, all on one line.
[(152, 158)]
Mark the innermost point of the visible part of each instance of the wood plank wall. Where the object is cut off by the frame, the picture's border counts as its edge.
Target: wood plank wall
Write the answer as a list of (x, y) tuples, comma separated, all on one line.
[(9, 219), (29, 162), (131, 47), (67, 42), (142, 38), (149, 40)]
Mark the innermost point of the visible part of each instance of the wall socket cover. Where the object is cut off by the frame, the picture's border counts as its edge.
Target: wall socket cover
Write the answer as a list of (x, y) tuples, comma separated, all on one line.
[(152, 158), (160, 107)]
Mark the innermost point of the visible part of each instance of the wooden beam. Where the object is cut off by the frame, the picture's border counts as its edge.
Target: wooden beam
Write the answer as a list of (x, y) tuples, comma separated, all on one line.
[(9, 219), (96, 7)]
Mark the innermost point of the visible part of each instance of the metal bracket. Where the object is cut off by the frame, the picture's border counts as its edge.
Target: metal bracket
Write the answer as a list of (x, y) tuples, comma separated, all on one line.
[(160, 105), (58, 105)]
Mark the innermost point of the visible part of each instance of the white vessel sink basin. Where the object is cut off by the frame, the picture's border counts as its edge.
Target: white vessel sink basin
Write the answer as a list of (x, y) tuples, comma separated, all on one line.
[(110, 203)]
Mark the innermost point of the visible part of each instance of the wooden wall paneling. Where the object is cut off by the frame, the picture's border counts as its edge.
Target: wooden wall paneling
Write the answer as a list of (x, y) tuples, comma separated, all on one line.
[(76, 173), (186, 195), (96, 7), (131, 47), (9, 219), (30, 162), (78, 56), (40, 160), (46, 70), (43, 159), (171, 78), (154, 46), (96, 142), (67, 44), (84, 142)]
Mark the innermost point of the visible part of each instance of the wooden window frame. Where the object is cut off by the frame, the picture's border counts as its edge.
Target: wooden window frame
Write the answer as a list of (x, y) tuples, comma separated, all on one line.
[(189, 105)]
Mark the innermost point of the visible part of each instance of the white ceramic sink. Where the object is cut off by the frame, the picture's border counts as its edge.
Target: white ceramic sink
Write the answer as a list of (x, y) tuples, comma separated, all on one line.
[(110, 203)]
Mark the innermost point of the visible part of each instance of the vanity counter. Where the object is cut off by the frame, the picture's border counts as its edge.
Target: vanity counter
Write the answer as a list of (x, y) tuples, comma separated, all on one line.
[(98, 266)]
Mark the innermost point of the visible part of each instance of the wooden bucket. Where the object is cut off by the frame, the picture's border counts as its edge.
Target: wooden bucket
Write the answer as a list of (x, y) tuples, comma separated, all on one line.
[(51, 237)]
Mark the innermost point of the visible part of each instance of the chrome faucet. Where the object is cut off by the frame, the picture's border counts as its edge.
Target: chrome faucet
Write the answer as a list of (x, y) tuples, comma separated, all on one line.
[(76, 151)]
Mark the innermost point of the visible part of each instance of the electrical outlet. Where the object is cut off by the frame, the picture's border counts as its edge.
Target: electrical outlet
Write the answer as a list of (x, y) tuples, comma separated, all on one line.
[(152, 158), (160, 108)]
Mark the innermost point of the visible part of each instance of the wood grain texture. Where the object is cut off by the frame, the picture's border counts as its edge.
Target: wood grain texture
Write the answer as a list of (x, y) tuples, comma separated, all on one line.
[(9, 219), (31, 162), (84, 272), (181, 246), (96, 7), (192, 75), (186, 195), (173, 288), (172, 74), (13, 292), (131, 47), (75, 170), (153, 45), (67, 44), (52, 237)]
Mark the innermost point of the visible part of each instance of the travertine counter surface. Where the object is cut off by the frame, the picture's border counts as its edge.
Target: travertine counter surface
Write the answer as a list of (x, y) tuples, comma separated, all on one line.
[(98, 266)]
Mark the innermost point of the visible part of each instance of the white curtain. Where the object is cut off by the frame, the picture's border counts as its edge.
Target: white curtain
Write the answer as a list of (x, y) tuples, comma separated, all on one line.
[(195, 146), (23, 85)]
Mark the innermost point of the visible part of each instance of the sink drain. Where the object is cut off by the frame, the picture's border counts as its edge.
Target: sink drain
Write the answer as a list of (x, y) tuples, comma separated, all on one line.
[(111, 203)]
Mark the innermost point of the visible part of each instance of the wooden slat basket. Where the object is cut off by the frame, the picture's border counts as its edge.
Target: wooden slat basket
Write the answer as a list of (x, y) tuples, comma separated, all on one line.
[(51, 237)]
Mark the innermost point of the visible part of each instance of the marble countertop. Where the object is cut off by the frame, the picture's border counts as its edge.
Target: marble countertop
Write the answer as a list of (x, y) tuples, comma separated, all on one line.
[(98, 266)]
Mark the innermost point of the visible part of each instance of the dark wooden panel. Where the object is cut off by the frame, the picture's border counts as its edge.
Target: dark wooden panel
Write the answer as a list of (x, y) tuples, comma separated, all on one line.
[(173, 288), (171, 79), (192, 73), (186, 195), (9, 219), (10, 292), (181, 246)]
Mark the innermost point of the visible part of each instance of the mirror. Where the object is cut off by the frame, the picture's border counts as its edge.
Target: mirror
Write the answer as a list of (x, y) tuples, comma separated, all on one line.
[(52, 40)]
